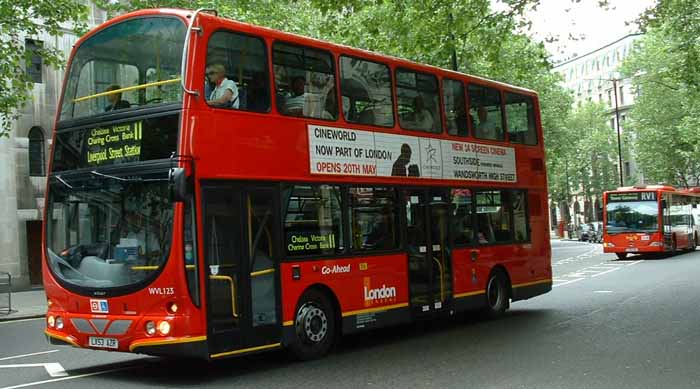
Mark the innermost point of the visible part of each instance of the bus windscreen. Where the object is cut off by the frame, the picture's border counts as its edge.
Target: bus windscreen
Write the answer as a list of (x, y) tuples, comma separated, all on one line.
[(131, 64)]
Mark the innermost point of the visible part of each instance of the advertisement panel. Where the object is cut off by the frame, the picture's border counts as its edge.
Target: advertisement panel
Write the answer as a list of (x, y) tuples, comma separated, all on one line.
[(342, 151)]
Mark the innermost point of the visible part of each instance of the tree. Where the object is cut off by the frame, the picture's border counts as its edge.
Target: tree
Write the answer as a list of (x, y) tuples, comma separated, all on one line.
[(22, 20), (666, 115)]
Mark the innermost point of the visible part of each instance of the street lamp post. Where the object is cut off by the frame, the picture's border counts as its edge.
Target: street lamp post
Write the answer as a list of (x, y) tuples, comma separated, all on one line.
[(617, 125)]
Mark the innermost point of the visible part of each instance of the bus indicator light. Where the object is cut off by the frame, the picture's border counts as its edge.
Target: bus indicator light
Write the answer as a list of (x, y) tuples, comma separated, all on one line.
[(150, 328)]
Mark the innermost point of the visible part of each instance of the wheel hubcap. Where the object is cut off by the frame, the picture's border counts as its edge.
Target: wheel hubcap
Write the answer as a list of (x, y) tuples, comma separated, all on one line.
[(312, 323), (493, 293)]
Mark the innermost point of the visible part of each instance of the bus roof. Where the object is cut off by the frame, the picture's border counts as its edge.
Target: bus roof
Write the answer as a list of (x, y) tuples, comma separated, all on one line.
[(186, 14)]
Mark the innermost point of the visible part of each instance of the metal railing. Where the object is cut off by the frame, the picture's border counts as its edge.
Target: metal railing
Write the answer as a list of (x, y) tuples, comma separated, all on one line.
[(5, 293)]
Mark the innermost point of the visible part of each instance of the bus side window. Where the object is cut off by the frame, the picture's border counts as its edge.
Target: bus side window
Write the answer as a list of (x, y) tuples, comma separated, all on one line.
[(455, 107), (304, 81), (366, 92), (418, 101), (485, 111), (520, 112), (373, 219), (244, 59)]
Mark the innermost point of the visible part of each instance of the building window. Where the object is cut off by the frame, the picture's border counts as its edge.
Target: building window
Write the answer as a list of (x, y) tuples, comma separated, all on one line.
[(610, 97), (612, 123), (36, 152), (622, 95), (628, 170), (34, 62)]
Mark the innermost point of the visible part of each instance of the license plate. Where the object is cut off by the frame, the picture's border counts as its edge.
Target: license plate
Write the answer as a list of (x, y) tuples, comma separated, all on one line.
[(631, 249), (94, 341)]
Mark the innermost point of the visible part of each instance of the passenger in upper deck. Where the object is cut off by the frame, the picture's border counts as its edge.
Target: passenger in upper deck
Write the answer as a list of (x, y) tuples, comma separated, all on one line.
[(294, 104), (486, 129), (422, 116), (115, 99), (225, 92)]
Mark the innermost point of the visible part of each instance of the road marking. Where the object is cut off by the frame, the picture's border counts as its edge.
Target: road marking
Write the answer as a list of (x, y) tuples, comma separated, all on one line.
[(557, 285), (29, 355), (21, 321), (605, 272), (602, 291), (634, 263), (68, 378), (54, 368)]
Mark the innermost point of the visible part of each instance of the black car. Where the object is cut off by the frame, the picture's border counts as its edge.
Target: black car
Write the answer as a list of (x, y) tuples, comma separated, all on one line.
[(585, 232)]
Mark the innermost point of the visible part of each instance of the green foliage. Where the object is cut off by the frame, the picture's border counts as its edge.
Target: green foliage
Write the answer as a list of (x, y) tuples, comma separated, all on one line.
[(28, 19), (665, 119)]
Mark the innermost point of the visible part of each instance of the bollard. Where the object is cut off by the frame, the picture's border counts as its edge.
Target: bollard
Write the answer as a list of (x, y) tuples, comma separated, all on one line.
[(5, 293)]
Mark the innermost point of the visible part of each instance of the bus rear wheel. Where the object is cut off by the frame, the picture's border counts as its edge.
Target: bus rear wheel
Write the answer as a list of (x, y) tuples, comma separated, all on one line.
[(496, 295), (621, 256), (314, 325)]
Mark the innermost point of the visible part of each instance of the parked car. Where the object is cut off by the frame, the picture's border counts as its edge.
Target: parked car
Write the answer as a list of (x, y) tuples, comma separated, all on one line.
[(596, 235), (585, 232)]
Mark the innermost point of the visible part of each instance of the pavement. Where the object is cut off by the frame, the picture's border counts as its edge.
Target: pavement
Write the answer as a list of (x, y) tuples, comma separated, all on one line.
[(25, 305)]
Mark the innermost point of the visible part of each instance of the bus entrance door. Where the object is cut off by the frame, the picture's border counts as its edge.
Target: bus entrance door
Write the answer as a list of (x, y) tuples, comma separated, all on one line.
[(430, 283), (239, 252)]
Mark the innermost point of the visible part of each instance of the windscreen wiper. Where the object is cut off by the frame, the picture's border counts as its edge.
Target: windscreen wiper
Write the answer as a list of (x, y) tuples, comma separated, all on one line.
[(62, 181), (129, 180)]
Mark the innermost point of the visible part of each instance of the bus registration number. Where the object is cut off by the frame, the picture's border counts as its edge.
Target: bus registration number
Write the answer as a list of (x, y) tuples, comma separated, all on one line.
[(94, 341), (631, 249)]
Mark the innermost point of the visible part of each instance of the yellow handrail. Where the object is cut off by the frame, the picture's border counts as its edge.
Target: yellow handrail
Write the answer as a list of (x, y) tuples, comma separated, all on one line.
[(145, 267), (233, 291), (262, 272), (127, 89), (442, 280)]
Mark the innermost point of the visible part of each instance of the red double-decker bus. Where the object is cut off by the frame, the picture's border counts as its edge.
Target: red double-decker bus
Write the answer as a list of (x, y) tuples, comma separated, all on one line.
[(649, 219), (218, 188)]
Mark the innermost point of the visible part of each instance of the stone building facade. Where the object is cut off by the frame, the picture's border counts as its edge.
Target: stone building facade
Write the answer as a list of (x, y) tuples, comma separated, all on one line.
[(589, 77), (24, 163)]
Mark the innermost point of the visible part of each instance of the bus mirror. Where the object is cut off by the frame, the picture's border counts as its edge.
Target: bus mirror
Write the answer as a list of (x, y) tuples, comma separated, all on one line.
[(177, 184)]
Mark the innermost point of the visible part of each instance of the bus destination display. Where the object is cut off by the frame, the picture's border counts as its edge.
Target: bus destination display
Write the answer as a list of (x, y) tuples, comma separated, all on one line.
[(632, 196), (118, 143)]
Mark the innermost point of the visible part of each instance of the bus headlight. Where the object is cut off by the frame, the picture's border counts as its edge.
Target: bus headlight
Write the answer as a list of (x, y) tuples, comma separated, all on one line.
[(59, 323), (656, 244), (150, 328), (51, 321), (164, 327), (608, 244)]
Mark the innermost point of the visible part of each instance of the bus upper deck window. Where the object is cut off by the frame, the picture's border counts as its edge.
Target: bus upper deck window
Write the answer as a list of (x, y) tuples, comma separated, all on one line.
[(365, 87), (236, 73), (304, 81), (485, 111)]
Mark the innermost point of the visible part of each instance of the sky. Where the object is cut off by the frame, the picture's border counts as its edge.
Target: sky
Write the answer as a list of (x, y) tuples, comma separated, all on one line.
[(586, 21)]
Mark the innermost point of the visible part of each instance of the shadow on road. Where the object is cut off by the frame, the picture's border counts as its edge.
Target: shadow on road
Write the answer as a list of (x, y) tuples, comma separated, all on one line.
[(454, 334)]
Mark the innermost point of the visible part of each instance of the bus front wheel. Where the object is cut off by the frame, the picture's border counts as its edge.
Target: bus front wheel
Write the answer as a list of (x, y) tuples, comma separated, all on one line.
[(314, 325), (621, 256)]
